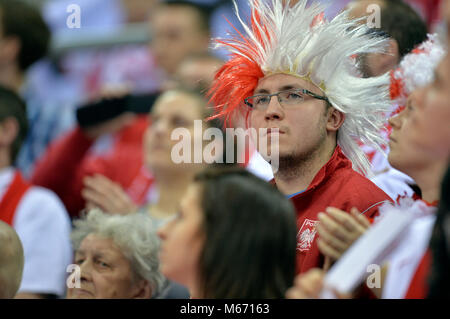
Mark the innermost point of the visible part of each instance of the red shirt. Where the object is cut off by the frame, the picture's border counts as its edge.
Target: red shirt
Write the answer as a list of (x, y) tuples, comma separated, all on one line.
[(336, 185), (67, 162)]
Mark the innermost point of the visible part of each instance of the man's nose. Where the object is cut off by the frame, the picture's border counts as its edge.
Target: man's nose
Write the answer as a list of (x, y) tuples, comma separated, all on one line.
[(274, 110)]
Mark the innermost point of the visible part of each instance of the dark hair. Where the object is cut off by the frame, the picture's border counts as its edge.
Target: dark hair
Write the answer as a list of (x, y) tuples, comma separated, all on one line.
[(204, 12), (11, 105), (403, 23), (21, 20), (439, 279), (250, 236)]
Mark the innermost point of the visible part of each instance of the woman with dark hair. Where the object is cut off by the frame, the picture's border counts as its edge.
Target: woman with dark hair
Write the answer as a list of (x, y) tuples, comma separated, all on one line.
[(234, 237), (439, 279)]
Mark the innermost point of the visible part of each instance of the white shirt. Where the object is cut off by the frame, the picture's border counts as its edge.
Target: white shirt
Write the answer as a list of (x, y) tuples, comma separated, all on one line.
[(409, 251), (391, 181), (42, 224), (258, 166)]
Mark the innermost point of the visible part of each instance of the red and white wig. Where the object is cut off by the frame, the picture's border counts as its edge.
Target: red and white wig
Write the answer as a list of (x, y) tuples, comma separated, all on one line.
[(296, 40)]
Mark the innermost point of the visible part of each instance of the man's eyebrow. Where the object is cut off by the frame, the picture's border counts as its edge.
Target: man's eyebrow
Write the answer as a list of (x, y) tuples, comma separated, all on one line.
[(283, 88), (259, 91), (289, 87)]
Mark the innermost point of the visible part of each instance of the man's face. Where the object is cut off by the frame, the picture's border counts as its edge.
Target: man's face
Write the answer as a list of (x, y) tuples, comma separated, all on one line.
[(302, 128), (432, 118), (176, 34), (198, 74)]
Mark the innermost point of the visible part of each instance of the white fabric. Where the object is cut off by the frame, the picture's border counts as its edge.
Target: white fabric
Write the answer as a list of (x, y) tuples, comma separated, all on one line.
[(43, 226), (391, 181), (394, 183), (405, 258), (258, 166)]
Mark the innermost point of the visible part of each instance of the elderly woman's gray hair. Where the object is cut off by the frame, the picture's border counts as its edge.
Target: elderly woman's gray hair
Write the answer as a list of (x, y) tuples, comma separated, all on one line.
[(134, 234)]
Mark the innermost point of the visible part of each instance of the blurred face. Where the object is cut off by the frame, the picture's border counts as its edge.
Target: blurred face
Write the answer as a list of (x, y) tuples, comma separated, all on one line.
[(403, 154), (176, 34), (173, 110), (105, 272), (138, 10), (432, 117), (183, 240), (198, 73), (374, 64), (302, 128)]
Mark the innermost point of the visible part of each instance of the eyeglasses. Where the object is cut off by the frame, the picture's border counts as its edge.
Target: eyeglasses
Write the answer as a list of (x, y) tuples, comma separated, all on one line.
[(285, 98)]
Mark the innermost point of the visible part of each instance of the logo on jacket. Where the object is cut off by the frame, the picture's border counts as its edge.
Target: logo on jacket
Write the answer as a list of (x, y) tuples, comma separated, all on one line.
[(306, 234)]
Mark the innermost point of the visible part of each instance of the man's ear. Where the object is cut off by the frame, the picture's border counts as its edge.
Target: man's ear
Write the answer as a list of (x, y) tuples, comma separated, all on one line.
[(335, 119), (143, 290), (9, 129)]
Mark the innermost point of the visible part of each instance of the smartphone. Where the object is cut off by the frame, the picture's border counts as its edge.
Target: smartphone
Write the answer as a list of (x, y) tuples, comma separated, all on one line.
[(106, 109)]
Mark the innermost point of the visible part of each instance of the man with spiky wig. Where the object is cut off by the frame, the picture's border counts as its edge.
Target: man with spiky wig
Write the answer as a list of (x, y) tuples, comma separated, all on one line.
[(293, 74)]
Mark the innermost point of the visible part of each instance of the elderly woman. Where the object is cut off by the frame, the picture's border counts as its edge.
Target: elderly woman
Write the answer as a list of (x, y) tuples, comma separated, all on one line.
[(117, 255)]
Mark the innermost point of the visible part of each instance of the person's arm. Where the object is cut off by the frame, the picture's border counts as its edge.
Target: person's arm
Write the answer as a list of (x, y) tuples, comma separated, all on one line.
[(101, 192), (338, 230), (62, 168), (58, 169)]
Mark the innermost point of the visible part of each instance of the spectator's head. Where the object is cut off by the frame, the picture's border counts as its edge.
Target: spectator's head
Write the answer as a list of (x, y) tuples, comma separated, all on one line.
[(138, 10), (24, 35), (439, 279), (431, 120), (404, 27), (170, 140), (432, 117), (11, 261), (197, 71), (13, 125), (234, 237), (416, 71), (179, 28), (301, 80), (117, 255)]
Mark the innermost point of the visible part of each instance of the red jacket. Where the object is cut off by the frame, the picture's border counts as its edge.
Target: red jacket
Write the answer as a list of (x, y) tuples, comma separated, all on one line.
[(336, 185), (67, 162)]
